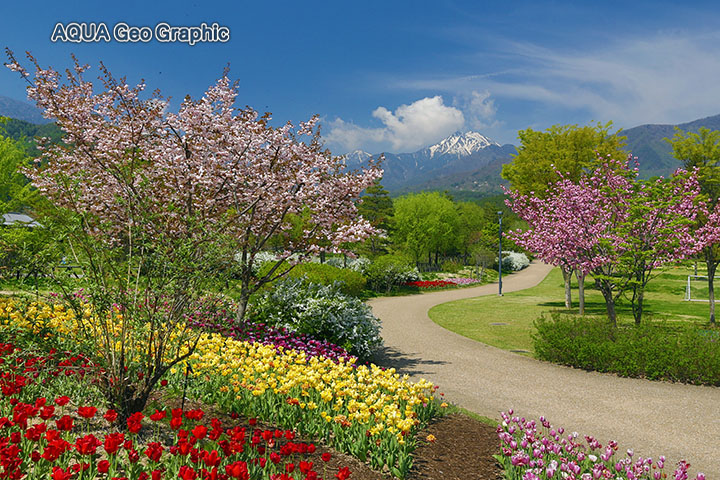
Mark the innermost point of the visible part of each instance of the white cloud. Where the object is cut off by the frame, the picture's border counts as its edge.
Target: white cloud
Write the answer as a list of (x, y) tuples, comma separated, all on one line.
[(479, 110), (667, 77), (409, 128)]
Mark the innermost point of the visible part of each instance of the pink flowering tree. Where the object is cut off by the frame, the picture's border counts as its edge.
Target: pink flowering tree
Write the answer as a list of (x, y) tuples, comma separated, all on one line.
[(708, 228), (612, 227), (160, 205), (658, 230)]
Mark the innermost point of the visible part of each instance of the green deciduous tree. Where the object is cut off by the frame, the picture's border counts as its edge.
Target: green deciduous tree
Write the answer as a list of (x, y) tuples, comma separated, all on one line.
[(425, 223), (702, 151), (15, 191), (24, 251), (471, 220), (569, 149)]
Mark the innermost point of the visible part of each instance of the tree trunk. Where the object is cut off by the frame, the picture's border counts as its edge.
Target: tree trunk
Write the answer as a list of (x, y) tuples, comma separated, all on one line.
[(322, 256), (610, 307), (581, 291), (637, 304), (242, 304), (609, 302), (567, 276), (711, 267)]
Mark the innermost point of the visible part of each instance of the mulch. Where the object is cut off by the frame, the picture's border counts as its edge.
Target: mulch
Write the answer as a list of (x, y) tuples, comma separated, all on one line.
[(463, 449)]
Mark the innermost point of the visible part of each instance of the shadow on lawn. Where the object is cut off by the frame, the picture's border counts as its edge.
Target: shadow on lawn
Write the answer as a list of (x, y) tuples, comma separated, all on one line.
[(402, 362), (591, 308), (651, 310)]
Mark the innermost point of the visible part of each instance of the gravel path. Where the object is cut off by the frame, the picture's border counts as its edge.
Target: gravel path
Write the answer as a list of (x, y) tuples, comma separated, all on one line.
[(654, 418)]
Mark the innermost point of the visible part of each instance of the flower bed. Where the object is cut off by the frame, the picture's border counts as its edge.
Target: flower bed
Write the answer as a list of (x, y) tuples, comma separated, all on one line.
[(426, 284), (42, 440), (279, 338), (529, 453), (444, 283), (462, 280), (365, 411)]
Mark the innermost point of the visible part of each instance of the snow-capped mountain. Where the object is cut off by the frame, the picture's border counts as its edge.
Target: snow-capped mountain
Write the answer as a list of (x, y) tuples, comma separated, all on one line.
[(457, 154), (358, 157), (460, 144)]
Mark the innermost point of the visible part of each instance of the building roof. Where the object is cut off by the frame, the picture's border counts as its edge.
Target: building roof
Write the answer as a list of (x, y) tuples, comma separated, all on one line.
[(19, 219)]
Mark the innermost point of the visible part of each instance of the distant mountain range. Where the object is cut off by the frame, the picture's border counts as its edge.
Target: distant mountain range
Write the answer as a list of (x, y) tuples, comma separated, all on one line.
[(20, 110), (655, 154), (470, 161), (443, 165), (464, 161)]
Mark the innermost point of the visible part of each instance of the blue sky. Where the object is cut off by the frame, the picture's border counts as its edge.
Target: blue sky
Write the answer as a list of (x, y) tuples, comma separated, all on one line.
[(399, 75)]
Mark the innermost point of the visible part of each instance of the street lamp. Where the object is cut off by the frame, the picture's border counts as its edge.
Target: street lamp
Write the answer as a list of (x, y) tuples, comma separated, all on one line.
[(500, 253)]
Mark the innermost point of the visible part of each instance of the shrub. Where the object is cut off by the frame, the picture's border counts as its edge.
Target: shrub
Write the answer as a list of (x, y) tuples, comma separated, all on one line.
[(389, 271), (451, 266), (514, 261), (657, 351), (321, 311), (261, 259), (349, 282), (359, 264)]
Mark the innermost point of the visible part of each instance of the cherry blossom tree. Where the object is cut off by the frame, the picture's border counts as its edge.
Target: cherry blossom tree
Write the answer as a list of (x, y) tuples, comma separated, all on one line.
[(701, 150), (160, 203), (613, 227)]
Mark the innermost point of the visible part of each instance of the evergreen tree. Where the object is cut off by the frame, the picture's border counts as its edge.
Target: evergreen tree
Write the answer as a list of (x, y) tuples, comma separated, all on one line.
[(376, 207)]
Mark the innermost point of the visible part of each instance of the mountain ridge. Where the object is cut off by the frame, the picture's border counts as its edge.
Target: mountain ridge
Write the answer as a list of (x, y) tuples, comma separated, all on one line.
[(456, 154), (655, 154), (9, 107), (441, 166)]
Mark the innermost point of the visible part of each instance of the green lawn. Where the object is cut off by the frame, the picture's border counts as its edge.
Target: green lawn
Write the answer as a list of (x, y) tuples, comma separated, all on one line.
[(475, 317)]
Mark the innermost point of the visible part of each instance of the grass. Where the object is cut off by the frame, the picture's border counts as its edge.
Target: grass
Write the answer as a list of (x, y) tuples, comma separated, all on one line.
[(477, 318)]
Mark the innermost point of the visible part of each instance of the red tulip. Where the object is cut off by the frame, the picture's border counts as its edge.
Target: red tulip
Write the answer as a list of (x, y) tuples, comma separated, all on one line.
[(64, 423), (103, 466), (134, 423), (343, 473), (113, 441), (87, 412), (87, 444), (187, 473), (60, 474), (158, 415)]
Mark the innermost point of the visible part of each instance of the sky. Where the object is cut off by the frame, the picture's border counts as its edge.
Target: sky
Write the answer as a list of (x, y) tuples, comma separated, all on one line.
[(397, 76)]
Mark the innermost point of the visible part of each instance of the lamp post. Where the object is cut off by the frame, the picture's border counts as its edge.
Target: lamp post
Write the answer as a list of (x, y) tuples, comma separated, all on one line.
[(500, 253)]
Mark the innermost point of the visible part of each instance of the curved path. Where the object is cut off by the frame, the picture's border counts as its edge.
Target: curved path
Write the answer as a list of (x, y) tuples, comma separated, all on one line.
[(654, 418)]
